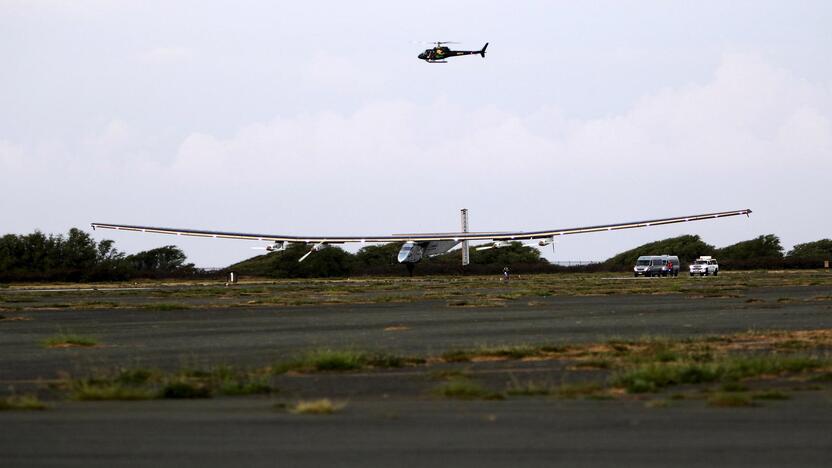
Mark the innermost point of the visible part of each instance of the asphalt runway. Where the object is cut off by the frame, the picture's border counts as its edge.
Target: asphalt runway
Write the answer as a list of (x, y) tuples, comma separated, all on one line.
[(248, 432), (259, 336), (383, 424)]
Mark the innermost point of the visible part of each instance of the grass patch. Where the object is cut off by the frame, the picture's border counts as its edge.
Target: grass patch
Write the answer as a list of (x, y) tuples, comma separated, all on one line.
[(136, 376), (554, 348), (239, 388), (14, 318), (227, 381), (500, 351), (792, 344), (323, 360), (165, 307), (144, 384), (666, 355), (730, 400), (594, 364), (578, 390), (456, 356), (510, 352), (770, 395), (458, 303), (17, 300), (446, 374), (21, 403), (183, 389), (528, 388), (125, 385), (734, 387), (652, 377), (466, 389), (95, 305), (321, 406), (825, 377), (343, 360), (69, 340), (480, 302), (92, 391)]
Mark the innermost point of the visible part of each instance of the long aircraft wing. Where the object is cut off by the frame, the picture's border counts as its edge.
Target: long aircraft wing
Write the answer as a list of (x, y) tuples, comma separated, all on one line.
[(423, 237)]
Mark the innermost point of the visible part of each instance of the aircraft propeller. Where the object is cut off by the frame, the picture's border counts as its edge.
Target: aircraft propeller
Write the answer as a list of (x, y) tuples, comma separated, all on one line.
[(495, 245), (276, 247), (548, 241), (315, 248)]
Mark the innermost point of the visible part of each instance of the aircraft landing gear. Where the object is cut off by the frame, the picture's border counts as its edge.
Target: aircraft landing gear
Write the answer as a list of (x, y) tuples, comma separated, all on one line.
[(410, 267)]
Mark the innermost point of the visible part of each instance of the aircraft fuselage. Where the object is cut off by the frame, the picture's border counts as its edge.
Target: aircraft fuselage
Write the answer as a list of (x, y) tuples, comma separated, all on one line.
[(413, 252)]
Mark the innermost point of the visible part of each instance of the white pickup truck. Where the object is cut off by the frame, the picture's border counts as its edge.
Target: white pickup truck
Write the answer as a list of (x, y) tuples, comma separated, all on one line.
[(704, 266)]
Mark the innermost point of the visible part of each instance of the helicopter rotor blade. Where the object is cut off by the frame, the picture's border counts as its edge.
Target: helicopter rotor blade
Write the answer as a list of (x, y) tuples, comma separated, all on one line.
[(439, 43)]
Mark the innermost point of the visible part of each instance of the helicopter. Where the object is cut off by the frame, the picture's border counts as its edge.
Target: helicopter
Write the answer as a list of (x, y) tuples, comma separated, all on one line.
[(439, 53)]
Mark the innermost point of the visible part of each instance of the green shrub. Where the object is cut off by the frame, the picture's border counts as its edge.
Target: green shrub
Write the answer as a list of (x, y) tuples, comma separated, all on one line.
[(182, 389), (92, 391), (465, 389), (733, 400), (69, 339), (21, 402)]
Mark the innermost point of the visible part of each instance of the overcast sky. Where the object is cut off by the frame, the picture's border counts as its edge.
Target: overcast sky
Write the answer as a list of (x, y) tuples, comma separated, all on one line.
[(317, 118)]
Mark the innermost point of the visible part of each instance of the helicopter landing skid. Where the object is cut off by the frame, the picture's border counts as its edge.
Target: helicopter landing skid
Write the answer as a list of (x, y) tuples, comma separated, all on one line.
[(437, 61)]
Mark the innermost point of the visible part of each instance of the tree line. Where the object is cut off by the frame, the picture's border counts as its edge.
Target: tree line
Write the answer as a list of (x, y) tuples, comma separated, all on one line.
[(76, 256), (382, 260), (763, 252)]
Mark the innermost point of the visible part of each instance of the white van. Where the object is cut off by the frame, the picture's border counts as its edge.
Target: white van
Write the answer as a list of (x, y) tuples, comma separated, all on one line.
[(657, 265)]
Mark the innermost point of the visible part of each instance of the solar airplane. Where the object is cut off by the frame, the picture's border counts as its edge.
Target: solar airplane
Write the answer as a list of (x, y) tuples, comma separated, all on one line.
[(422, 245)]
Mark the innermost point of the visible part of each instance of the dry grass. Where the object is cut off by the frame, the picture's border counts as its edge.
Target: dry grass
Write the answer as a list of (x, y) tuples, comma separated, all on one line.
[(456, 291), (318, 407), (87, 391), (14, 318), (70, 340)]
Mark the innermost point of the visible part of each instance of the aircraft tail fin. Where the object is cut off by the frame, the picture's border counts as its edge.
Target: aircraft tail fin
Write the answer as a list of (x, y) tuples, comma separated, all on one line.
[(482, 52)]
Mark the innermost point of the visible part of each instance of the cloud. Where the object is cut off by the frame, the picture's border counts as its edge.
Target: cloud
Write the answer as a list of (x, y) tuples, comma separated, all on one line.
[(753, 136), (750, 116), (334, 71), (166, 56), (12, 157)]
